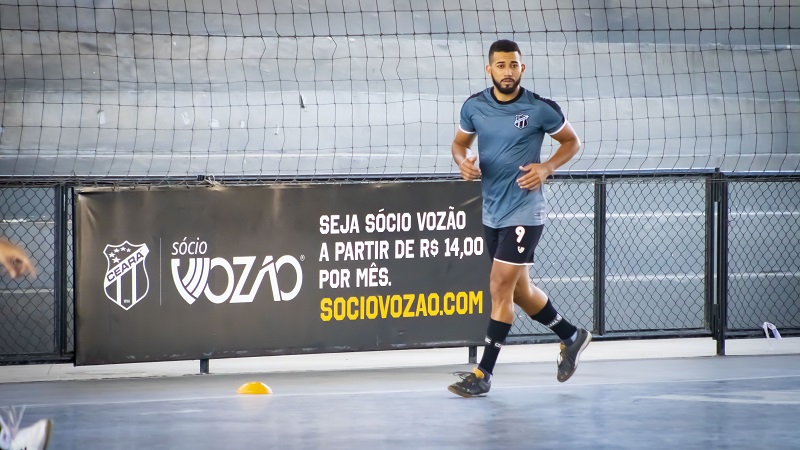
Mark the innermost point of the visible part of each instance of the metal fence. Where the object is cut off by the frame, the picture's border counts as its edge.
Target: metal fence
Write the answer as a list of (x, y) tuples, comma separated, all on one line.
[(630, 261), (700, 255), (763, 254), (37, 313)]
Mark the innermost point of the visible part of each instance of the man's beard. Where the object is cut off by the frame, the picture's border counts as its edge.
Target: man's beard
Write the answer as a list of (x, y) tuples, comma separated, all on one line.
[(506, 90)]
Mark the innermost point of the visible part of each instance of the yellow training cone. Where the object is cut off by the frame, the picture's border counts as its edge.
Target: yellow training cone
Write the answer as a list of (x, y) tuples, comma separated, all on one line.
[(254, 387)]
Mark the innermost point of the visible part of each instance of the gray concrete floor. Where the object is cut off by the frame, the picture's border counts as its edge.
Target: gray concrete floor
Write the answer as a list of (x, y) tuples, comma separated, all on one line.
[(676, 403)]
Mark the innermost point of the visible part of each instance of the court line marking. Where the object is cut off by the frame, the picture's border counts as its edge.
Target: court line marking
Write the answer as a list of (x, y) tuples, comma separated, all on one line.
[(391, 391), (180, 411), (130, 402), (767, 398)]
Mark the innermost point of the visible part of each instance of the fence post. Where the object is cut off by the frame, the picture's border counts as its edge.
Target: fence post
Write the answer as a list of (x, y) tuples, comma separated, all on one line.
[(61, 263), (711, 234), (722, 264), (716, 277), (599, 306), (472, 357)]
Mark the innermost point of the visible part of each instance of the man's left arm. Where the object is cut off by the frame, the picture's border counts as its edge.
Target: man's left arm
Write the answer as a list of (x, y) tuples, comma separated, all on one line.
[(538, 173)]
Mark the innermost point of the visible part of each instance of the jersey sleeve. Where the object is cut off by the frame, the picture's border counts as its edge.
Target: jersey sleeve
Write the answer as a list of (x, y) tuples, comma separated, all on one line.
[(466, 118), (552, 119)]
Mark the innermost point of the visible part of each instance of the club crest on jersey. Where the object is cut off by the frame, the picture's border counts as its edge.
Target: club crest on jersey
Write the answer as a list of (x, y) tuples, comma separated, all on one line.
[(126, 282), (521, 121)]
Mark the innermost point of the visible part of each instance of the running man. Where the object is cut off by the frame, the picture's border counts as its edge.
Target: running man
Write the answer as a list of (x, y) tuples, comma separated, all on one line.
[(510, 123)]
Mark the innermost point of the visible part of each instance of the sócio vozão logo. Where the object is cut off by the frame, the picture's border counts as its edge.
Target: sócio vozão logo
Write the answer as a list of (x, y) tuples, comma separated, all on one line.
[(126, 282), (191, 266)]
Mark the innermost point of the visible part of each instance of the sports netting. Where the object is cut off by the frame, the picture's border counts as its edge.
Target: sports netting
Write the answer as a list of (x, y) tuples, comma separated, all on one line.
[(167, 89)]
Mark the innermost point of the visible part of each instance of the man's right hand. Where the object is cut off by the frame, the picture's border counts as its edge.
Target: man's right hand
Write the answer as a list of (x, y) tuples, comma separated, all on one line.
[(15, 260), (468, 169)]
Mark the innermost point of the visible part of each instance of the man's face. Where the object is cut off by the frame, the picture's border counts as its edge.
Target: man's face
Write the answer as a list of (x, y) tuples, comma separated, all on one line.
[(506, 71)]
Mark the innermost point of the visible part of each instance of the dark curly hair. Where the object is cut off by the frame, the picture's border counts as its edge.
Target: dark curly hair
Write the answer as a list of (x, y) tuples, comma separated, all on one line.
[(503, 46)]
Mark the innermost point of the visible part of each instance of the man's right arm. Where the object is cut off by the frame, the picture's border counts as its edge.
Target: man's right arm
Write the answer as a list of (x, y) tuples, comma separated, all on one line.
[(466, 164)]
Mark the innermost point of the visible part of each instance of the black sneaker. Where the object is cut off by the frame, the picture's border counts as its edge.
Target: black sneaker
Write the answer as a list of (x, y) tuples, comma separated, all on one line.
[(568, 358), (472, 384)]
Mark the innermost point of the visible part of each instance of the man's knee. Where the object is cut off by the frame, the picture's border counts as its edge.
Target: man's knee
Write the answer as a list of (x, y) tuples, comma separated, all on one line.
[(502, 286)]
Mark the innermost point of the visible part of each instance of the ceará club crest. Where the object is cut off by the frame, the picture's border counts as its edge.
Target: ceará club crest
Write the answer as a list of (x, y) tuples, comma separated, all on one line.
[(521, 121), (126, 282)]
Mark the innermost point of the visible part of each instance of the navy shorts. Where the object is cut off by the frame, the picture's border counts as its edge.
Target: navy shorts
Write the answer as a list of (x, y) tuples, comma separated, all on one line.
[(513, 245)]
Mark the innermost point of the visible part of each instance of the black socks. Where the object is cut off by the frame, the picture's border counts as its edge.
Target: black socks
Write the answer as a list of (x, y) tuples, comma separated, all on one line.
[(495, 338), (550, 318)]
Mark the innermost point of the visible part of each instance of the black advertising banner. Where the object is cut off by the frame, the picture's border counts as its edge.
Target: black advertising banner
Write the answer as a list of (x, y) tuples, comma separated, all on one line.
[(195, 273)]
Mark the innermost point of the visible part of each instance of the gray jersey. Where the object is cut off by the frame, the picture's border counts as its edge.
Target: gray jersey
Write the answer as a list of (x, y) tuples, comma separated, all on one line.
[(510, 135)]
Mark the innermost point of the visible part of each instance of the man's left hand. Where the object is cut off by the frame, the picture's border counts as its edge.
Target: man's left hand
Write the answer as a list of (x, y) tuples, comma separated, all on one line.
[(535, 176)]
